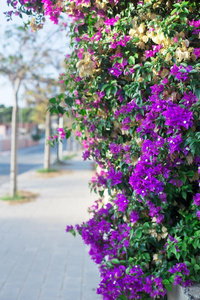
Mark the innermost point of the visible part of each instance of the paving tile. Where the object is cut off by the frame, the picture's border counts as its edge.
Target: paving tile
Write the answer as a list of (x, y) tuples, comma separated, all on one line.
[(39, 261)]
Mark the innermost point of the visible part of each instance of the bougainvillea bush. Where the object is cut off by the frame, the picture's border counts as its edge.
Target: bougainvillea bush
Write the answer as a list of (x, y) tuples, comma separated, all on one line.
[(134, 84)]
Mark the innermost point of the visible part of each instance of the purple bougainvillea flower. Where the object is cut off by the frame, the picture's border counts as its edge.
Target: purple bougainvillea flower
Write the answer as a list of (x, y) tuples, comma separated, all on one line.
[(197, 52), (111, 21), (177, 116), (116, 177), (68, 228), (122, 202), (180, 268), (134, 216), (115, 72), (86, 154), (197, 199), (178, 73)]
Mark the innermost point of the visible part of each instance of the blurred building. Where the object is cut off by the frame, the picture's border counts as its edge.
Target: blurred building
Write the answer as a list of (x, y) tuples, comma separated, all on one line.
[(27, 135)]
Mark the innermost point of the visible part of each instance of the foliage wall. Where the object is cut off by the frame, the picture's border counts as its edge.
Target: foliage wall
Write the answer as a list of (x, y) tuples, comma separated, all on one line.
[(134, 85)]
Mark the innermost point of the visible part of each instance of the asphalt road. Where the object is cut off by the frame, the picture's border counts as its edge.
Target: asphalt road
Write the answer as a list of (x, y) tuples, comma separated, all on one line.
[(28, 158)]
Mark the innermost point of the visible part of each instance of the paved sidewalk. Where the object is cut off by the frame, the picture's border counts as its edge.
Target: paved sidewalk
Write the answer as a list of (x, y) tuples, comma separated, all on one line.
[(38, 260)]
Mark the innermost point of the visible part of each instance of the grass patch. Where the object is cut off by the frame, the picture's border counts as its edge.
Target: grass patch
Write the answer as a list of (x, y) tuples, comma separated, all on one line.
[(21, 197), (50, 173), (9, 198), (47, 170), (69, 157)]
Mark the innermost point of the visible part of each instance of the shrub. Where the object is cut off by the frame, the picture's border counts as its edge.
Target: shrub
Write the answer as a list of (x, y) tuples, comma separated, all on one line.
[(36, 137)]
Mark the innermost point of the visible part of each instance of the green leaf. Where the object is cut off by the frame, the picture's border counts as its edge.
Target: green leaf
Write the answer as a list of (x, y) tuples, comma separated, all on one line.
[(193, 71), (197, 93), (184, 246), (68, 133), (131, 259), (108, 91), (173, 249), (139, 233), (131, 60), (122, 297), (61, 110), (69, 101), (196, 267), (101, 193), (53, 100), (135, 40), (184, 195), (120, 60), (115, 261), (108, 263), (105, 86), (73, 232), (167, 285), (61, 96), (74, 125), (190, 173), (147, 64), (137, 66)]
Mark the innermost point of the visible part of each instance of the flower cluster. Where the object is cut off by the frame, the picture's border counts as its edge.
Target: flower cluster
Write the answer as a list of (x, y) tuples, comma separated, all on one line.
[(180, 269), (117, 282)]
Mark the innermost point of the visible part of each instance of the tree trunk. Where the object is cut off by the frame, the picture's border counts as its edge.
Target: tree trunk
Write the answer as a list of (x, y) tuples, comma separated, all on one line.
[(47, 153), (14, 142), (60, 145)]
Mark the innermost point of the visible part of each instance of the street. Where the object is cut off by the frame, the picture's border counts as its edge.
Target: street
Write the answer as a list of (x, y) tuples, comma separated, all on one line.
[(28, 158)]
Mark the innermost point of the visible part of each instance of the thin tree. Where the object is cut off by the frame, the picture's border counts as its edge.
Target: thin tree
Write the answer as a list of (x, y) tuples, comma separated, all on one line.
[(39, 96), (23, 57)]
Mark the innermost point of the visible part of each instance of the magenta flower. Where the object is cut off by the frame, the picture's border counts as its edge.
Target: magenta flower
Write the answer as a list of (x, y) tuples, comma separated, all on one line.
[(180, 75), (134, 216), (114, 176), (149, 53), (177, 116), (195, 24), (180, 268), (196, 52), (52, 10), (122, 202), (117, 55), (115, 72), (111, 21), (196, 199), (69, 228)]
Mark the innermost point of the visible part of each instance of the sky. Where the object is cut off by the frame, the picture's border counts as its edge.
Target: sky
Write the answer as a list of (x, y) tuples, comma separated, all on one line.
[(6, 96), (6, 90)]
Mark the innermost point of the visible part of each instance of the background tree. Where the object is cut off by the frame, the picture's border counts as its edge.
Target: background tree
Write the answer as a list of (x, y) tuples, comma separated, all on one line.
[(24, 56), (25, 112), (5, 114), (39, 96)]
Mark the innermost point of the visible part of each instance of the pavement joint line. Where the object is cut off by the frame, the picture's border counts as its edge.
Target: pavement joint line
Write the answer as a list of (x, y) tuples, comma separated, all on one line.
[(62, 284), (4, 282), (28, 274), (82, 276)]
